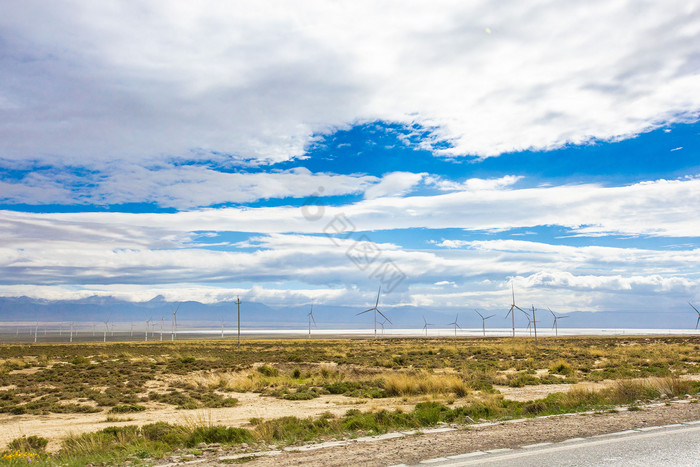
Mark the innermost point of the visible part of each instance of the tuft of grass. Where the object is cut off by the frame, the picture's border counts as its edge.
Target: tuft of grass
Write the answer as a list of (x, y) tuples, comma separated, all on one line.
[(408, 384)]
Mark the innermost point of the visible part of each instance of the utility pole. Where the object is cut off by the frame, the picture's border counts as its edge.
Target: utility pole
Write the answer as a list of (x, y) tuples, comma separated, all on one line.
[(534, 322), (238, 302)]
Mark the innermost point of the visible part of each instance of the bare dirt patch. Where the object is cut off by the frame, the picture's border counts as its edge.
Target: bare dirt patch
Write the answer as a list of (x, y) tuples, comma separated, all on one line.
[(57, 426)]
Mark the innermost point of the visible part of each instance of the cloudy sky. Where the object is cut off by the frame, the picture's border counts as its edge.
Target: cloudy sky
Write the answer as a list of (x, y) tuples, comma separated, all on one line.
[(311, 151)]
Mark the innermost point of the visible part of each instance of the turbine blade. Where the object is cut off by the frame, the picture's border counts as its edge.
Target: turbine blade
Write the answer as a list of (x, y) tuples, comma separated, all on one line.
[(384, 316), (562, 317), (482, 316), (510, 311), (697, 322), (698, 311), (380, 291), (490, 316), (362, 312)]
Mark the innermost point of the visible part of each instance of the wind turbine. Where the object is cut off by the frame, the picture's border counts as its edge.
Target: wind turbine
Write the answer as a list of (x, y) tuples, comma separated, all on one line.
[(529, 325), (36, 329), (162, 322), (222, 328), (148, 325), (455, 324), (310, 315), (71, 331), (555, 326), (513, 306), (698, 312), (375, 308), (382, 325), (173, 331), (425, 326), (104, 338), (483, 321), (131, 332)]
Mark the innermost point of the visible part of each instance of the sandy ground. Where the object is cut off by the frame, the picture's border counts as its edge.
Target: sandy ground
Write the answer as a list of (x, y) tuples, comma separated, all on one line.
[(58, 426)]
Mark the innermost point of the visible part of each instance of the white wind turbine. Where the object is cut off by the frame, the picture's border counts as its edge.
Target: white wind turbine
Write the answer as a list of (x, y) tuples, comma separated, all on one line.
[(382, 325), (425, 326), (513, 307), (222, 328), (483, 321), (148, 325), (104, 338), (555, 326), (455, 324), (375, 309), (162, 323), (71, 331), (698, 312), (310, 315), (173, 331)]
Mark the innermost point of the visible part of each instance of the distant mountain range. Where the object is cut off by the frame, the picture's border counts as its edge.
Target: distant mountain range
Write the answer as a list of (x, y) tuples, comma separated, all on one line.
[(259, 315)]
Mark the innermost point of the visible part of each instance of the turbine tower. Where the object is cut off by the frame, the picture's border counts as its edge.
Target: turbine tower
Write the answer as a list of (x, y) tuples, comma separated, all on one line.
[(698, 312), (425, 326), (310, 315), (173, 330), (455, 324), (238, 303), (382, 325), (375, 309), (555, 326), (513, 307), (534, 323), (483, 321), (222, 328), (148, 325), (104, 338)]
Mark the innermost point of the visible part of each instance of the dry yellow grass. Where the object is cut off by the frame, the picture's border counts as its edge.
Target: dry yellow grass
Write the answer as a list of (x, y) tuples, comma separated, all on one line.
[(409, 384)]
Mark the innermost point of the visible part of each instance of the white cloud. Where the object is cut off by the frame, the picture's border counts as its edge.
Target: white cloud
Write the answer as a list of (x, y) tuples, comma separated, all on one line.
[(647, 208), (186, 187), (85, 82), (473, 184), (394, 184)]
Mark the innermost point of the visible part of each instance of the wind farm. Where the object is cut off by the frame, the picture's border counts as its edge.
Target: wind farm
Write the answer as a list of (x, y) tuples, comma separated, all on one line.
[(349, 233)]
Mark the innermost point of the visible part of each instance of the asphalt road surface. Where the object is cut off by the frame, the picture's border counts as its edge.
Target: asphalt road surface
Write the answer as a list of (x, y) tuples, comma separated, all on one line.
[(664, 446)]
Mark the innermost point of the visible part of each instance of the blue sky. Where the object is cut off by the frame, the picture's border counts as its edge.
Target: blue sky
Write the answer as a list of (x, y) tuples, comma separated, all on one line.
[(201, 152)]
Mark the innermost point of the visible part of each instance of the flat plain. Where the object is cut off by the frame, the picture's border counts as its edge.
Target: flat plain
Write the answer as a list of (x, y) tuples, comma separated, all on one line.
[(154, 402)]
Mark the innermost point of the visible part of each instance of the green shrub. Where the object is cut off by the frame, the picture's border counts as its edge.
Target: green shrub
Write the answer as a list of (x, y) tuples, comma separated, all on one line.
[(266, 370), (127, 408), (28, 443), (219, 434)]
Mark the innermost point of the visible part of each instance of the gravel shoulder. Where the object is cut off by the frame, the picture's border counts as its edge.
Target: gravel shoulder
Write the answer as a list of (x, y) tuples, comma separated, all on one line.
[(413, 449)]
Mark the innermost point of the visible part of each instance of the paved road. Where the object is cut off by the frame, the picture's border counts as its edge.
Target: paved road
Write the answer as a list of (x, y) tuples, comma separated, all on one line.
[(666, 446)]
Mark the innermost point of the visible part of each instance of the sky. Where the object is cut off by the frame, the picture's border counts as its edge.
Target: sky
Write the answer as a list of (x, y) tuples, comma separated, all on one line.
[(291, 153)]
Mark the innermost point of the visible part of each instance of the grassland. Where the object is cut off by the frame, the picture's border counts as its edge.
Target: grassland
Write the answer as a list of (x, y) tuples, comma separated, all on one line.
[(442, 380)]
